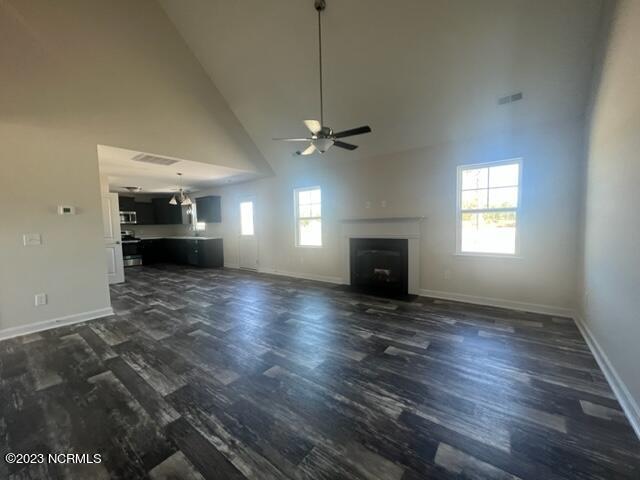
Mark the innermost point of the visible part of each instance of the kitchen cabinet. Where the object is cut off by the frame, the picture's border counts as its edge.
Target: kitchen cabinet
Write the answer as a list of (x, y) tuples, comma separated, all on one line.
[(210, 253), (152, 251), (202, 252), (208, 209), (165, 213), (175, 251), (145, 213), (158, 211), (127, 204), (192, 252)]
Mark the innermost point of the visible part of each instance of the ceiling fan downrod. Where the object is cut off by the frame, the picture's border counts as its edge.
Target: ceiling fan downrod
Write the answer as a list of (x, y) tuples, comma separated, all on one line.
[(322, 136), (320, 5)]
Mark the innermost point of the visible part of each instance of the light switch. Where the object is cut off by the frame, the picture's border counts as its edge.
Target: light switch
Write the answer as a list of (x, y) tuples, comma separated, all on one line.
[(41, 299), (31, 239)]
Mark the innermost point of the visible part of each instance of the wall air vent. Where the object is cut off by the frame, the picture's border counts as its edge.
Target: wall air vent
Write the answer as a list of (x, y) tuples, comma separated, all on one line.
[(145, 158), (510, 98)]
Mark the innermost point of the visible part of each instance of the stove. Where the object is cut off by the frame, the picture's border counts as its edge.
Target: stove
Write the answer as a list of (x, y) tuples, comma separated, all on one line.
[(131, 251)]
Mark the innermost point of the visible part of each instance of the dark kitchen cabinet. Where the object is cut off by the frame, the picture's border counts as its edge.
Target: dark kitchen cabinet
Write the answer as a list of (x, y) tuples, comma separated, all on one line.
[(165, 213), (192, 253), (175, 251), (152, 251), (127, 204), (197, 253), (210, 253), (145, 213), (205, 253), (208, 209)]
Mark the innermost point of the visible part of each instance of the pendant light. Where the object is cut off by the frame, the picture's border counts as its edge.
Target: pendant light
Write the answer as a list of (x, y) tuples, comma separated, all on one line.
[(182, 198)]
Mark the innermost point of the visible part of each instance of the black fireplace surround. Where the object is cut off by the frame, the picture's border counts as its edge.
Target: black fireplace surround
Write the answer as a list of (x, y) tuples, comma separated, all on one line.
[(380, 266)]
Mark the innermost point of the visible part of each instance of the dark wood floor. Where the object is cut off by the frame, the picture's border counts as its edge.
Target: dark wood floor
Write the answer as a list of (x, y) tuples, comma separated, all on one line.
[(228, 374)]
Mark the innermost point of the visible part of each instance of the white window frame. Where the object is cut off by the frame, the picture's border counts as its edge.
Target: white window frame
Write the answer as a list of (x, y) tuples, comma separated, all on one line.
[(460, 211), (250, 200), (196, 225), (297, 218)]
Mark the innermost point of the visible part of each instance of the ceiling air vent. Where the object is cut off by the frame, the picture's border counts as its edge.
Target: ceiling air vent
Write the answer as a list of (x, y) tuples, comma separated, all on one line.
[(510, 98), (145, 158)]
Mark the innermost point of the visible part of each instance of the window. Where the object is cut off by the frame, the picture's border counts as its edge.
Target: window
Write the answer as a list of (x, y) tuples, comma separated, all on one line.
[(488, 201), (308, 206), (246, 218), (196, 226)]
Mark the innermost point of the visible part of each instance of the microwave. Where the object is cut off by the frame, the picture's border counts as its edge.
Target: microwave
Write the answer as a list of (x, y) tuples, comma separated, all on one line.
[(128, 218)]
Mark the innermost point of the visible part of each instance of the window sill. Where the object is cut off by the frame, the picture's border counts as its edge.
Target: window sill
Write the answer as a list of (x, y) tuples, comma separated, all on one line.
[(309, 246), (487, 255)]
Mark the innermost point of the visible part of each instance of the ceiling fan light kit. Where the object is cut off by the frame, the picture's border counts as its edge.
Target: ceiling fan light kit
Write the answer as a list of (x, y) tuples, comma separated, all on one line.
[(323, 137)]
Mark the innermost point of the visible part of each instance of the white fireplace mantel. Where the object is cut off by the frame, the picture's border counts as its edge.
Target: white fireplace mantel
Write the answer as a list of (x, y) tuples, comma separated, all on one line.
[(390, 227), (382, 219)]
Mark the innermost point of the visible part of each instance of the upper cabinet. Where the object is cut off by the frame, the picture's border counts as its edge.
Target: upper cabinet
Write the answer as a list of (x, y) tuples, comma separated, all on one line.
[(145, 213), (159, 211), (165, 213), (208, 209), (127, 204)]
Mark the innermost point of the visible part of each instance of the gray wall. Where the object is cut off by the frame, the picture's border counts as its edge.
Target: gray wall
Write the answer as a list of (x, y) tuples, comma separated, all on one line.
[(610, 303)]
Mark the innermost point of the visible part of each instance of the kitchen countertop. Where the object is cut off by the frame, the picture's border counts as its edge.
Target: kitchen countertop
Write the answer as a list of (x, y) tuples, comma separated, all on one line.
[(176, 237)]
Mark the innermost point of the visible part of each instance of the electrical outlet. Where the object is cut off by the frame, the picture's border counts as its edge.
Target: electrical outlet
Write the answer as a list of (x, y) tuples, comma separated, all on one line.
[(383, 204), (367, 204), (41, 299), (447, 274)]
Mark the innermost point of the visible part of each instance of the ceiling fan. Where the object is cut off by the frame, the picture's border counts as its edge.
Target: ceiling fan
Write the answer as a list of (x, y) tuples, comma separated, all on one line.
[(323, 137)]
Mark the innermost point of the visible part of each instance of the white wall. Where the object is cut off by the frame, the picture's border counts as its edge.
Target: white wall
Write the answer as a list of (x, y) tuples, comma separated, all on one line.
[(611, 291), (423, 183), (75, 74), (42, 168)]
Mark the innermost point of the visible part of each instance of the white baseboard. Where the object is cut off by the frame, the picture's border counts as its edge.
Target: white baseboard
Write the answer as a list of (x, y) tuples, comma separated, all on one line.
[(306, 276), (499, 302), (626, 400), (54, 323)]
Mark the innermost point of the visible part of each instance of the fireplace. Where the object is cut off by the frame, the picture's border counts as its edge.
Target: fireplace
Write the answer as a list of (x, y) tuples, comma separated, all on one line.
[(380, 266)]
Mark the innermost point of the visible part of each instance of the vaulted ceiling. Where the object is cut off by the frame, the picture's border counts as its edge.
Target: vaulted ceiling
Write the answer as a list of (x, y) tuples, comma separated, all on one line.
[(420, 72)]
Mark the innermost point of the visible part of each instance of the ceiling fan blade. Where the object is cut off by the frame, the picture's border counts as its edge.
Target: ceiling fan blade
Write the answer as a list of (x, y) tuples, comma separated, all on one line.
[(348, 146), (353, 131), (314, 126), (293, 139), (309, 150)]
